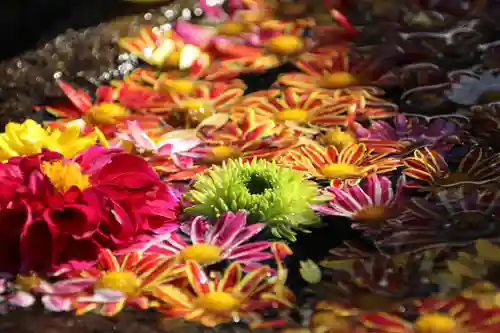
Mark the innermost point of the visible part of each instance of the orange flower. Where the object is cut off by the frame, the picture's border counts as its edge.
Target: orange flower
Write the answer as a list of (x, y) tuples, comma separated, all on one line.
[(346, 166)]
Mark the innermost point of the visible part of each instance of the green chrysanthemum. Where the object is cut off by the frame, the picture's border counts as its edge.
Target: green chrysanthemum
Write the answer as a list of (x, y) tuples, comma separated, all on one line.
[(277, 196)]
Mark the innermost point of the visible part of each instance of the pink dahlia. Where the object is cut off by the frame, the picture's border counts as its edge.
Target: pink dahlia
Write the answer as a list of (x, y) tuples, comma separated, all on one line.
[(205, 243), (55, 211)]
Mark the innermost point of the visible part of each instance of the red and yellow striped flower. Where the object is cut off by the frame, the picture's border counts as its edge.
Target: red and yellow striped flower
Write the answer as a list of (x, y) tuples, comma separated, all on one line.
[(346, 166), (124, 280), (431, 171), (455, 315), (233, 297)]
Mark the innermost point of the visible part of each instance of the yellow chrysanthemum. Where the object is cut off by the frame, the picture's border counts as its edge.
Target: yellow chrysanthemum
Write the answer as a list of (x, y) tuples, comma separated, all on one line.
[(20, 139)]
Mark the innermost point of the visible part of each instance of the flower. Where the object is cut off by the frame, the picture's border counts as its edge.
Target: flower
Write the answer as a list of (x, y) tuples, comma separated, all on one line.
[(279, 197), (204, 101), (124, 280), (234, 297), (244, 138), (431, 171), (450, 216), (55, 211), (227, 239), (368, 205), (437, 315), (101, 113), (158, 151), (297, 109), (12, 297), (473, 88), (405, 133), (346, 166), (29, 137), (337, 69)]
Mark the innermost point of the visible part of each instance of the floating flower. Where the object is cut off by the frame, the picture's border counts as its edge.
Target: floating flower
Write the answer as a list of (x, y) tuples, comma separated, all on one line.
[(430, 170), (279, 197), (437, 315), (164, 48), (107, 116), (120, 281), (30, 137), (368, 205), (12, 297), (227, 239), (335, 70), (450, 216), (472, 88), (55, 211), (234, 297), (244, 138), (406, 133), (341, 167)]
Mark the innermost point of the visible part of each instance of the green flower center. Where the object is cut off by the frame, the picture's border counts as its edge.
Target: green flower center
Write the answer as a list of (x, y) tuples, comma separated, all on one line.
[(258, 184)]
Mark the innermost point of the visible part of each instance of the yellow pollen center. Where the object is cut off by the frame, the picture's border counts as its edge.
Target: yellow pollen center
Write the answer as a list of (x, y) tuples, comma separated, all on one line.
[(286, 44), (64, 175), (221, 153), (338, 138), (218, 301), (338, 80), (204, 254), (372, 214), (173, 59), (296, 115), (126, 282), (197, 110), (179, 86), (341, 171), (27, 282), (106, 113), (330, 323), (436, 323), (230, 29)]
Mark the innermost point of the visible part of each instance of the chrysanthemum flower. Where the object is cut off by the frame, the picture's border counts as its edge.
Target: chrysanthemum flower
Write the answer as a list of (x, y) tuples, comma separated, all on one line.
[(13, 297), (437, 315), (469, 88), (336, 70), (368, 205), (234, 297), (55, 211), (30, 138), (451, 216), (107, 115), (341, 167), (279, 197), (227, 239), (406, 133), (126, 280), (431, 171)]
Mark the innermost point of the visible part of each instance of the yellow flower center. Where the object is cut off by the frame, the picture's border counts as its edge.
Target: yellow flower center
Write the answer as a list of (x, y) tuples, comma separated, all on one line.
[(338, 138), (436, 323), (330, 323), (204, 254), (197, 110), (292, 9), (341, 171), (221, 153), (179, 86), (218, 301), (64, 175), (27, 282), (297, 115), (373, 214), (173, 59), (126, 282), (230, 29), (374, 302), (286, 44), (106, 113), (338, 80)]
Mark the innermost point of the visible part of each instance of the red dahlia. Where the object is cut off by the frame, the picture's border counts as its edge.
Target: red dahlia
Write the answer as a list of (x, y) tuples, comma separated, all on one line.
[(55, 211)]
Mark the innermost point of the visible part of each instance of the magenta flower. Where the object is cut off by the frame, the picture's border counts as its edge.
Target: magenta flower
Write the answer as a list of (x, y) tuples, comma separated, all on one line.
[(207, 243), (369, 205), (413, 132)]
